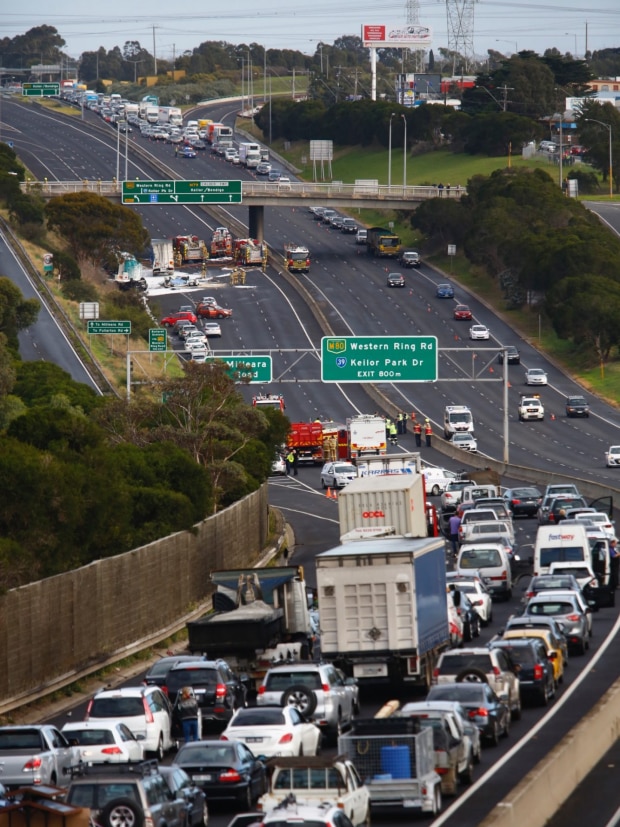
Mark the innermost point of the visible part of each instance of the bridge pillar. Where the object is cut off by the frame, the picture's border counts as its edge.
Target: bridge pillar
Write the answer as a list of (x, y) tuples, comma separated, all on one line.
[(256, 223)]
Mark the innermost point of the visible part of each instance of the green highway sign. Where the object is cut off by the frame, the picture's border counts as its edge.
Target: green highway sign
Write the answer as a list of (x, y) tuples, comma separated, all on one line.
[(38, 90), (258, 369), (158, 339), (107, 326), (379, 359), (181, 192)]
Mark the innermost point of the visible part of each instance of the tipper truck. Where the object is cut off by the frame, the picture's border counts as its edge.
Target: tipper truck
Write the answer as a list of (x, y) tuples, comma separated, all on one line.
[(383, 608), (259, 615), (395, 760), (382, 242)]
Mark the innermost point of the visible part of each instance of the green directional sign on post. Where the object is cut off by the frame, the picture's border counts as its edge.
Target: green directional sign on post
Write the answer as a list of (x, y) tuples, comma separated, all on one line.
[(38, 90), (108, 326), (181, 192), (258, 369), (158, 339), (379, 359)]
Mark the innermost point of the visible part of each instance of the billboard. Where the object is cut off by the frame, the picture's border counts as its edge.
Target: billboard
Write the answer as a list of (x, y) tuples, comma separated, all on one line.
[(406, 35)]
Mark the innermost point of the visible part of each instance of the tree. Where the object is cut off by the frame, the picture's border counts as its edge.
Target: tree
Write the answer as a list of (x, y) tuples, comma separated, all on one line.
[(92, 225), (16, 313)]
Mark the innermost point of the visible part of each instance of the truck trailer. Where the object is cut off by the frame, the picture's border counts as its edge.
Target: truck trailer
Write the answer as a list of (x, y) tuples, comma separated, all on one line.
[(383, 608)]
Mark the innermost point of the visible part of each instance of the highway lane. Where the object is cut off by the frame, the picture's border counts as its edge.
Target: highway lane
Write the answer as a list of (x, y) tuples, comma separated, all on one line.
[(365, 283)]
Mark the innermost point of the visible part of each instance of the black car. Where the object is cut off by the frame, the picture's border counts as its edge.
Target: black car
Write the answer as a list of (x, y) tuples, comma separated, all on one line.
[(512, 354), (224, 770), (218, 690), (484, 707), (534, 668), (181, 786), (157, 674), (523, 502), (395, 280), (577, 406)]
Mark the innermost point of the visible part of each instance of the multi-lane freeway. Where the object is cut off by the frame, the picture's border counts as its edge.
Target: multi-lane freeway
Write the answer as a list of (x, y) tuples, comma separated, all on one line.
[(350, 290)]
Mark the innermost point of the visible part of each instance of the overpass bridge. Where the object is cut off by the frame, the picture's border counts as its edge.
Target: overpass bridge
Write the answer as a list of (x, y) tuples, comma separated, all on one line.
[(260, 194)]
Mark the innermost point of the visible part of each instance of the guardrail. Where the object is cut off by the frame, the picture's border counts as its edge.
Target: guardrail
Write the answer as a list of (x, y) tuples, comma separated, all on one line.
[(257, 189)]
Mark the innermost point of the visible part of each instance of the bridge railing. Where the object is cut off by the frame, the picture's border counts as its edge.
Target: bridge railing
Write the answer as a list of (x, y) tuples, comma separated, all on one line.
[(315, 190)]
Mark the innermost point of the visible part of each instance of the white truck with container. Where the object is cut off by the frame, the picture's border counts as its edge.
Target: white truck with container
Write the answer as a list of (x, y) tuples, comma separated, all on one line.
[(383, 608), (366, 436), (249, 155), (152, 114), (396, 761)]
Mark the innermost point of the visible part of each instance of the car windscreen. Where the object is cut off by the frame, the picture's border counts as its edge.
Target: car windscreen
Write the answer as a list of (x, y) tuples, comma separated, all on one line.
[(20, 739), (345, 469), (121, 707), (461, 692), (280, 681), (90, 737), (555, 607), (95, 796), (480, 559), (212, 755), (178, 678), (561, 554), (454, 664), (258, 717)]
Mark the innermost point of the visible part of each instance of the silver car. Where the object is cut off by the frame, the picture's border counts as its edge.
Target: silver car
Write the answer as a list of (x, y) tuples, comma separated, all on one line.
[(570, 610), (319, 691), (337, 474)]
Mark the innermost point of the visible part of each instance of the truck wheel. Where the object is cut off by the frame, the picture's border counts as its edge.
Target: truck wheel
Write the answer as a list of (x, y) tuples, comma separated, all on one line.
[(123, 812), (301, 698), (437, 803), (471, 676)]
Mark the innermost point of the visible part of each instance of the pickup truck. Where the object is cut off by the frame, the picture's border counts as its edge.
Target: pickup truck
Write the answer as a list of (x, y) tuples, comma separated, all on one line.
[(315, 779), (34, 755), (530, 407)]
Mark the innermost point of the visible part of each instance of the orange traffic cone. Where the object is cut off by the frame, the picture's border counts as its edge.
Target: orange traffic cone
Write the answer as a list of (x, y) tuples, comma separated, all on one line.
[(552, 416), (328, 493)]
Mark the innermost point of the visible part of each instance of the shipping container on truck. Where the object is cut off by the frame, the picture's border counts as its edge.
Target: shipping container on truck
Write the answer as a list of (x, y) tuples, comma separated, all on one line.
[(383, 608), (391, 505)]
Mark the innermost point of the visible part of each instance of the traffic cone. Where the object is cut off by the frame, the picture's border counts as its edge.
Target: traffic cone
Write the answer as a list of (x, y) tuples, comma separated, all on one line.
[(328, 493), (491, 369), (552, 416)]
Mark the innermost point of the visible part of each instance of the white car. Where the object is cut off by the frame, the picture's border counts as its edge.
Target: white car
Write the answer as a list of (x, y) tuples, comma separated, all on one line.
[(479, 331), (199, 355), (477, 592), (535, 376), (274, 731), (612, 456), (103, 743), (465, 441), (212, 329), (144, 709), (337, 474), (601, 521)]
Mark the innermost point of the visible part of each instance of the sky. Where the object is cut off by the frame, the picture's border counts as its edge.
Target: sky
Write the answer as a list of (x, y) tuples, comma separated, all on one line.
[(499, 25)]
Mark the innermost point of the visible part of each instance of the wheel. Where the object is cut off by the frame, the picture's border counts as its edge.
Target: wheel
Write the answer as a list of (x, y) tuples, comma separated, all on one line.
[(323, 483), (506, 731), (508, 595), (301, 698), (476, 630), (467, 776), (471, 676), (543, 698), (205, 815), (246, 799), (516, 713), (122, 812), (336, 732), (494, 736), (435, 490), (159, 752), (437, 803)]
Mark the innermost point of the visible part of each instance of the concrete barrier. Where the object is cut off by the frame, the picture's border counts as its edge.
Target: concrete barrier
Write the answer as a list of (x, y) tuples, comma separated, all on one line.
[(555, 778)]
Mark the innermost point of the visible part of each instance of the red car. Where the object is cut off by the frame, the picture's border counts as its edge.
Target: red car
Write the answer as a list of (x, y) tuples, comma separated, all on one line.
[(462, 313), (183, 315), (212, 311)]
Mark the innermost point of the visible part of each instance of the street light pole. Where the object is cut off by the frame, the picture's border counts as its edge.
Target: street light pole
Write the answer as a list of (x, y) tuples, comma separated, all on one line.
[(404, 154), (390, 152), (611, 157)]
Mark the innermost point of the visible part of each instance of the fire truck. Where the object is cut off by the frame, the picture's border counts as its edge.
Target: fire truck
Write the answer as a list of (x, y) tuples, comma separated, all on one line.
[(318, 442), (269, 400), (366, 435), (221, 243), (297, 258), (249, 252), (189, 248)]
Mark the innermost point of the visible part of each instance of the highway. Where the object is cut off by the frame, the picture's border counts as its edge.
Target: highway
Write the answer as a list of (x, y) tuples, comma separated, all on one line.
[(351, 292)]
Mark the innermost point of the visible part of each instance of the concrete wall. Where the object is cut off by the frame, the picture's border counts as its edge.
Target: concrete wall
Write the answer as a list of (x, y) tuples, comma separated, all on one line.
[(543, 790), (66, 625)]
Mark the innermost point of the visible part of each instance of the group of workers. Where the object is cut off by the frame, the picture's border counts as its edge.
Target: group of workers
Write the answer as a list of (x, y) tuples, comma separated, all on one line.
[(397, 426)]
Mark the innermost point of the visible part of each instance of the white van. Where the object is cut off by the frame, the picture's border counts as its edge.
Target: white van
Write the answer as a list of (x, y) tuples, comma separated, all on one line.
[(477, 491), (490, 562), (560, 544)]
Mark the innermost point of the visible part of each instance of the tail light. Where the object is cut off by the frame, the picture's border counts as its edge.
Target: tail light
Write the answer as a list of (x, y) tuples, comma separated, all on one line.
[(261, 690), (112, 751), (223, 738), (32, 765), (538, 672), (516, 502), (164, 689), (220, 690), (481, 712), (286, 739), (529, 594), (435, 672), (147, 711), (572, 618), (325, 687), (496, 671), (230, 776)]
